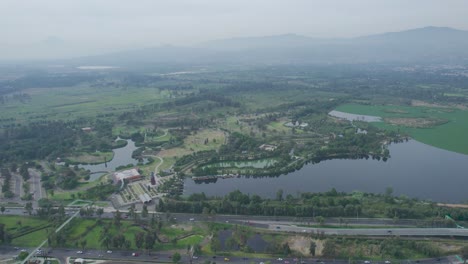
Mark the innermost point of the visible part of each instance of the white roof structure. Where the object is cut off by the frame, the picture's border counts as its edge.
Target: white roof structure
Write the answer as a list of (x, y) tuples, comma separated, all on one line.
[(122, 175), (145, 198)]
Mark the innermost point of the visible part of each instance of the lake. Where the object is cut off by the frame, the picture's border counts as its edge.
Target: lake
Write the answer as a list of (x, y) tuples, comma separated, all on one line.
[(122, 156), (414, 169)]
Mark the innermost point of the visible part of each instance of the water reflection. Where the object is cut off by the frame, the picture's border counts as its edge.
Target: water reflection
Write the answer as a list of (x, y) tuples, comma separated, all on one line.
[(415, 170)]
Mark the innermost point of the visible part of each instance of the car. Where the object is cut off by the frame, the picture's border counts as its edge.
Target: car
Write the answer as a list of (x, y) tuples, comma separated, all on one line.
[(214, 257), (303, 262), (134, 254), (100, 255), (195, 257), (16, 248), (278, 227), (109, 251), (438, 259), (79, 252), (226, 259), (303, 230), (279, 259), (192, 219), (295, 259), (388, 262), (367, 262), (227, 221), (286, 262), (23, 250)]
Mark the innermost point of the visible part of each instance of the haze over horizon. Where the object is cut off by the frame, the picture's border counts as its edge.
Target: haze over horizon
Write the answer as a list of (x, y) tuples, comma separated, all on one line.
[(60, 29)]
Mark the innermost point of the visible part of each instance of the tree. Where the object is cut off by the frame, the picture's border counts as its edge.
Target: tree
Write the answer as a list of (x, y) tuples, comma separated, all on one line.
[(176, 257), (28, 207), (312, 248), (149, 241), (139, 239), (2, 208), (117, 218), (100, 212), (83, 244), (144, 211)]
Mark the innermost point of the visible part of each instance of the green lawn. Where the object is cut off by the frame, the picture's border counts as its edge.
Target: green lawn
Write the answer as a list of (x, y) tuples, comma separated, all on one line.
[(450, 136)]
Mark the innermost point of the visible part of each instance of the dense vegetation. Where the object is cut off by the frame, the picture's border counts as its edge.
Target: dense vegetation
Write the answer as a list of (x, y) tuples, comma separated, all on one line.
[(329, 204)]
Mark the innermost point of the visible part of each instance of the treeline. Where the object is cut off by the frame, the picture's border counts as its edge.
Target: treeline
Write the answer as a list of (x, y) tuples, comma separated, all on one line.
[(5, 173), (328, 204), (45, 80)]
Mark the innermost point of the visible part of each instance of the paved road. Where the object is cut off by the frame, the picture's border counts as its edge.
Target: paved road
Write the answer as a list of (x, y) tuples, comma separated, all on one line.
[(288, 224), (63, 254), (432, 232)]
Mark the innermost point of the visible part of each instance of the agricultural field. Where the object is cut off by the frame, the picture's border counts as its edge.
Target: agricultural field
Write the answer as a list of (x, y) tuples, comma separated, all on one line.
[(442, 127), (79, 101)]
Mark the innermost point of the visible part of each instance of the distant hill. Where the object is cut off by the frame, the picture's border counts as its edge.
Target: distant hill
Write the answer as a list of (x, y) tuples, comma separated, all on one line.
[(422, 45)]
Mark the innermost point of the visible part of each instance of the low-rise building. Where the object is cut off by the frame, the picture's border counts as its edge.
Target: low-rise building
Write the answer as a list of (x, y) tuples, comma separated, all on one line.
[(129, 175)]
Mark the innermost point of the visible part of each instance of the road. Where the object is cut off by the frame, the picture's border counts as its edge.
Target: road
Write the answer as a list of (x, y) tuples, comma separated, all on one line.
[(155, 257), (36, 187), (411, 232), (291, 224)]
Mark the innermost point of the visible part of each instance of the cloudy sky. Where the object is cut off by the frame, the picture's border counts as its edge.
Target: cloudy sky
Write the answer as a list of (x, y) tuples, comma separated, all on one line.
[(63, 28)]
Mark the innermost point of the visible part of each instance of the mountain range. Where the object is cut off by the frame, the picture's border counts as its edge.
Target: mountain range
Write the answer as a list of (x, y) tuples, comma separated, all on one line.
[(422, 45)]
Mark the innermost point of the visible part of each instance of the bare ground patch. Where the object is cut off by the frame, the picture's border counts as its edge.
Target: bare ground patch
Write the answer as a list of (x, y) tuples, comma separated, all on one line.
[(396, 111), (302, 244), (426, 104), (416, 122)]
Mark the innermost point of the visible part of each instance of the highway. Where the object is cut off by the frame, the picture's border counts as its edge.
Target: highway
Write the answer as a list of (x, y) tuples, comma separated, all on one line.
[(164, 257), (292, 224), (410, 232)]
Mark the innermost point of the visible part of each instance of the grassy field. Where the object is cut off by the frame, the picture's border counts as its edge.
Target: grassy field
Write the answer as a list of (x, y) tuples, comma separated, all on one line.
[(196, 142), (91, 158), (83, 100), (450, 136)]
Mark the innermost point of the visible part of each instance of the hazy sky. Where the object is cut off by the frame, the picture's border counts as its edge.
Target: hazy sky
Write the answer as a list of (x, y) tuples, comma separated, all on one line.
[(42, 28)]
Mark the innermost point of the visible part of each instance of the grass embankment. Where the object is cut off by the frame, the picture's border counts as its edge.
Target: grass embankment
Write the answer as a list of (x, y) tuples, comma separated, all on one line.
[(18, 224), (450, 135)]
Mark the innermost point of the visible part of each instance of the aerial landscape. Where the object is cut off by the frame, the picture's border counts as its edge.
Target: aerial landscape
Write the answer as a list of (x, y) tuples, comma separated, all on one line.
[(234, 132)]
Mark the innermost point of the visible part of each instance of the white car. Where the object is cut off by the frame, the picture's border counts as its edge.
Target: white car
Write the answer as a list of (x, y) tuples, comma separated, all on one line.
[(280, 259), (109, 251), (79, 252), (192, 219), (387, 262)]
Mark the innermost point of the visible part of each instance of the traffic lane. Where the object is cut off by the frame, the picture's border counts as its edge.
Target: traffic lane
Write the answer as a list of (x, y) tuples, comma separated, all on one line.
[(375, 232), (165, 256)]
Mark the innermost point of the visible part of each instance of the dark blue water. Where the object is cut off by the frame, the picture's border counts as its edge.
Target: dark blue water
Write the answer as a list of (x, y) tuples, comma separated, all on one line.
[(414, 169)]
